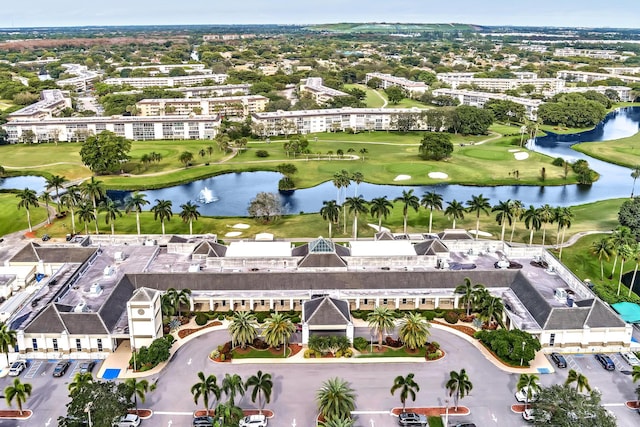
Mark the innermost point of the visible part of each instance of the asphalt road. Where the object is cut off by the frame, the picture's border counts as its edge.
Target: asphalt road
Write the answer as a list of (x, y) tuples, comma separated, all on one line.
[(295, 386)]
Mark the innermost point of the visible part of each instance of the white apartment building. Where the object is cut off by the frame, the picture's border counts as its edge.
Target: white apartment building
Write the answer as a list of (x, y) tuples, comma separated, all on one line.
[(131, 127), (548, 86), (623, 70), (84, 77), (320, 93), (166, 68), (590, 53), (624, 93), (335, 119), (52, 101), (478, 99), (387, 80), (142, 82), (533, 48), (227, 106), (588, 77)]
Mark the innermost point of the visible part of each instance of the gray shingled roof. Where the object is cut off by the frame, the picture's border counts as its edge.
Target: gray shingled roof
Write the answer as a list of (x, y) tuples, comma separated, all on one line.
[(210, 249), (454, 235), (327, 311), (142, 295), (307, 248), (83, 323), (602, 316), (26, 254), (430, 247), (566, 318), (32, 252), (47, 322), (318, 260), (535, 303), (114, 306), (384, 235)]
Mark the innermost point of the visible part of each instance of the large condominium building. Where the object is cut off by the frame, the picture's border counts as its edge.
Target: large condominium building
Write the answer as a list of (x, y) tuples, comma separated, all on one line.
[(624, 93), (227, 106), (478, 99), (335, 119), (209, 91), (320, 93), (590, 53), (83, 80), (131, 127), (52, 101), (588, 77), (166, 68), (387, 80), (142, 82), (547, 86), (623, 70)]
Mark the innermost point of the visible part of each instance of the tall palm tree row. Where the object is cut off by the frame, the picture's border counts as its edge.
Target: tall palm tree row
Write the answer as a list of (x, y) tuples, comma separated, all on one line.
[(94, 191), (454, 210), (19, 392), (532, 221), (162, 210), (381, 320), (136, 389), (504, 215), (529, 382), (233, 385), (414, 330), (336, 399), (380, 208), (70, 200), (46, 198), (458, 385), (206, 388), (28, 200), (56, 182), (86, 214), (189, 214), (408, 200), (431, 201), (135, 204), (357, 205), (582, 382), (111, 213), (243, 328), (278, 329), (262, 386), (330, 212), (603, 249)]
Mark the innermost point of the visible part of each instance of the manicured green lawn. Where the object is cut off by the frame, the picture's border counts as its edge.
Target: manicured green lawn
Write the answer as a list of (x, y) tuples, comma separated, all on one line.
[(14, 219), (624, 151), (259, 354), (4, 104), (372, 100), (435, 422), (394, 352)]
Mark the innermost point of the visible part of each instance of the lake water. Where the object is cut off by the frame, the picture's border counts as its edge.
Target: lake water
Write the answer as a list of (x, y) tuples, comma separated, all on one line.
[(234, 191)]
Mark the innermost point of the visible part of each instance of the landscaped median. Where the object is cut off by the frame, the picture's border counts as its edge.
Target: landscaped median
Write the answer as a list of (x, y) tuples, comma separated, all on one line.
[(15, 415)]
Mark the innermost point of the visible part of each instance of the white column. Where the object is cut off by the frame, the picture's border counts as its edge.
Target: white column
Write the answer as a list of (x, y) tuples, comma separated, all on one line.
[(397, 302), (417, 303), (270, 303), (357, 303), (377, 302), (305, 334), (290, 303), (436, 303), (211, 304), (350, 331)]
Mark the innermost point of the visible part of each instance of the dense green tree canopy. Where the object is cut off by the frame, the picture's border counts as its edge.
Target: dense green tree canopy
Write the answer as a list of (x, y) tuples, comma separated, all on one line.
[(505, 110), (572, 109), (629, 216), (508, 344), (471, 120), (436, 146), (107, 401), (103, 153), (564, 406)]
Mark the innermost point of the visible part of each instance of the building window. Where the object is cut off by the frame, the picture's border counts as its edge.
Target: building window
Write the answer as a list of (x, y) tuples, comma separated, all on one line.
[(262, 302), (423, 301), (281, 302), (552, 339), (100, 344), (242, 303), (404, 300), (55, 344), (365, 302), (384, 301), (34, 344), (224, 303), (78, 344)]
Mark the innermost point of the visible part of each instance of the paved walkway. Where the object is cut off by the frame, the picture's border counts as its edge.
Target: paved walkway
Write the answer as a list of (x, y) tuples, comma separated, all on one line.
[(119, 360)]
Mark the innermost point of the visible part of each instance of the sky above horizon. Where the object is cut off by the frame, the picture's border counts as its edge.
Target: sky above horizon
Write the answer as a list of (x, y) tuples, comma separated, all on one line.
[(569, 13)]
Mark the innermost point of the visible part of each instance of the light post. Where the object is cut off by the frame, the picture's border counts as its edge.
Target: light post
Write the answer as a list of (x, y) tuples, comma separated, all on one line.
[(87, 409), (522, 354), (371, 342), (446, 412)]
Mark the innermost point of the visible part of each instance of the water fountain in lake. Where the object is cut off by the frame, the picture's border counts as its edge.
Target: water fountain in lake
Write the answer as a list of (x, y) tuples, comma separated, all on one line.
[(206, 196)]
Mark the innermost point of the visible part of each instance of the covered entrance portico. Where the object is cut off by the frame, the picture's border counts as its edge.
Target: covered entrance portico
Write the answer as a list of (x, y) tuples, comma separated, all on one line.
[(326, 316)]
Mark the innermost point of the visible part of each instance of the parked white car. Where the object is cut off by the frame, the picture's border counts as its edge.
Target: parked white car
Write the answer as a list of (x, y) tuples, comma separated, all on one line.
[(254, 421), (521, 395), (17, 367), (631, 359)]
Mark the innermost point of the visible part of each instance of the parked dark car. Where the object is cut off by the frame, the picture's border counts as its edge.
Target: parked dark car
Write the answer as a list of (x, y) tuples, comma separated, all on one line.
[(559, 360), (606, 362), (87, 367), (45, 237), (412, 419), (202, 421), (61, 368)]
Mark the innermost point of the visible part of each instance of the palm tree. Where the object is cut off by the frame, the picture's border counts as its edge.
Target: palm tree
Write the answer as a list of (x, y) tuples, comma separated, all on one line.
[(278, 329), (262, 386), (189, 214), (19, 392), (466, 289), (94, 190), (408, 200), (625, 253), (8, 339), (330, 211), (621, 236), (357, 205), (454, 210), (603, 249), (345, 178), (479, 296), (516, 212), (135, 204), (357, 177), (582, 382), (414, 330), (86, 214), (162, 210), (635, 173), (182, 297), (336, 399), (363, 151), (504, 215), (56, 182), (564, 221), (80, 380), (532, 221), (478, 204), (492, 309), (207, 387), (111, 212), (635, 374), (70, 199), (408, 388), (381, 208), (431, 201), (185, 158), (528, 382), (381, 320), (635, 254), (243, 328), (46, 198), (227, 415), (231, 386), (28, 200), (458, 385), (546, 217), (136, 389)]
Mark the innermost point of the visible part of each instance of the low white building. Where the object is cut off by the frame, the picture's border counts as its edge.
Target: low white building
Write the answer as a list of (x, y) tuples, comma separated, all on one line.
[(588, 77), (478, 99), (52, 101), (226, 106), (387, 80), (191, 80), (548, 86), (320, 93)]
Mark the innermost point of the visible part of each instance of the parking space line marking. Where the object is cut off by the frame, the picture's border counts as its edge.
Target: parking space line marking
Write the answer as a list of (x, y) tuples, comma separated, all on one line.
[(33, 369), (370, 412), (172, 413)]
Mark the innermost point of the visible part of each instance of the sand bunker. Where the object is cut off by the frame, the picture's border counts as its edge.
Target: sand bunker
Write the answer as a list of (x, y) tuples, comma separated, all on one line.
[(521, 155), (233, 234), (438, 175), (241, 226), (514, 150), (480, 233), (402, 177)]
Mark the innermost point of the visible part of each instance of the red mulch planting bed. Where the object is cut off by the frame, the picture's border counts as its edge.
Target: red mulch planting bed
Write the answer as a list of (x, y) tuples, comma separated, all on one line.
[(142, 413), (464, 329), (267, 412), (16, 414), (30, 235), (633, 404), (186, 332), (434, 411), (519, 408)]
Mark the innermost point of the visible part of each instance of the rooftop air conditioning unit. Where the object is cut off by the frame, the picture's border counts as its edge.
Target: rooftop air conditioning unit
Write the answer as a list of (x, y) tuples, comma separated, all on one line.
[(96, 289)]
